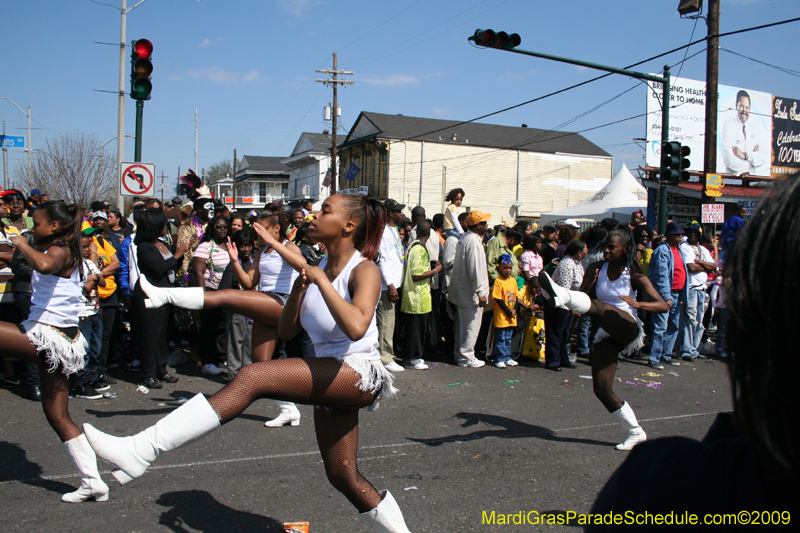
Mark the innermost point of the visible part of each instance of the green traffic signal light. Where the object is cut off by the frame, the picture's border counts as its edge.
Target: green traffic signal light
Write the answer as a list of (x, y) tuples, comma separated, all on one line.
[(671, 161), (141, 69), (685, 163)]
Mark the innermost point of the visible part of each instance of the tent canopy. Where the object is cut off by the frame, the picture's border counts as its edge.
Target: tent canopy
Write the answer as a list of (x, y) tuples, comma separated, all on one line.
[(618, 199)]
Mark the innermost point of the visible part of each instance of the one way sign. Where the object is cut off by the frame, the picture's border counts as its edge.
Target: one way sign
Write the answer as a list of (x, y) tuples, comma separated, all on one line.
[(136, 179)]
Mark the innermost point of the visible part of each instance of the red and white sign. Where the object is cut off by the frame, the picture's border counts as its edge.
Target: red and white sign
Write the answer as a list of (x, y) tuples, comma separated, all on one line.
[(247, 199), (713, 213), (136, 179), (229, 199)]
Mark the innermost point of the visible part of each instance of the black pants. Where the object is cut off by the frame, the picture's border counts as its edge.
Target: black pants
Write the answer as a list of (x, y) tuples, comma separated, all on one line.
[(557, 324), (153, 325), (413, 330), (110, 351), (210, 321)]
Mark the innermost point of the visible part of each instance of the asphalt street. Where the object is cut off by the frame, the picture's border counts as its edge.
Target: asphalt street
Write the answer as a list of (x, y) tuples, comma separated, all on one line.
[(455, 443)]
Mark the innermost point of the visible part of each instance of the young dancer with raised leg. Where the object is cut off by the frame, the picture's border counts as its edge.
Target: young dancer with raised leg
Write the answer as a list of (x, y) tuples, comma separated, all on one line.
[(51, 337), (335, 302), (618, 279)]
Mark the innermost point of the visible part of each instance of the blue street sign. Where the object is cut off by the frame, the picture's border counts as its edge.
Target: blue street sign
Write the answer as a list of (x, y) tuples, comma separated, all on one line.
[(12, 142)]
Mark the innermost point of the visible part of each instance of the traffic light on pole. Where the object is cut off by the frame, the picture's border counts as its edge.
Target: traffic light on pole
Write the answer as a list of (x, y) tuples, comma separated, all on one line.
[(490, 39), (671, 161), (685, 163), (141, 68)]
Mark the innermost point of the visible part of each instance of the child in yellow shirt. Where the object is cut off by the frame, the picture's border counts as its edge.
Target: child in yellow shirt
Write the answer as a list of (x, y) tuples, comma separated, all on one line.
[(504, 295)]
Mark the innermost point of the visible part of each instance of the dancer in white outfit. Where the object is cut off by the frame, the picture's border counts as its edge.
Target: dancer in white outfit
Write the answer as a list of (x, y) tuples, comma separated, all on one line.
[(50, 337), (617, 278), (335, 302)]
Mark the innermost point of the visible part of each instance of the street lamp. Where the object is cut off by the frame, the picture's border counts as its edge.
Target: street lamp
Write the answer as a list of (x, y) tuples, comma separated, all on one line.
[(28, 148)]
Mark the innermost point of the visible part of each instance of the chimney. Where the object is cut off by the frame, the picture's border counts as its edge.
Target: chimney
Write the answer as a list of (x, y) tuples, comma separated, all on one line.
[(455, 137), (326, 132)]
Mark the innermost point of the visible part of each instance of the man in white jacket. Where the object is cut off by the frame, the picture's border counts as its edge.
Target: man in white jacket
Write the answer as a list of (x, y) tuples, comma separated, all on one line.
[(469, 288), (391, 268)]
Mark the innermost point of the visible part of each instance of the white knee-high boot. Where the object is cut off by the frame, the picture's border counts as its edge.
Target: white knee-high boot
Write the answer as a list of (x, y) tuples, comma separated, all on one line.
[(133, 455), (290, 414), (386, 517), (625, 417), (185, 297), (85, 462), (557, 295)]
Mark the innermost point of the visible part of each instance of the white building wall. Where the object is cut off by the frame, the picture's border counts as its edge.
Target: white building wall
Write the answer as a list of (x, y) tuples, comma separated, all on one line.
[(489, 178)]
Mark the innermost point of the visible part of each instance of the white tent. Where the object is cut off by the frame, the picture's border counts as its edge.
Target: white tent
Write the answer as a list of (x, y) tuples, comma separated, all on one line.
[(618, 199)]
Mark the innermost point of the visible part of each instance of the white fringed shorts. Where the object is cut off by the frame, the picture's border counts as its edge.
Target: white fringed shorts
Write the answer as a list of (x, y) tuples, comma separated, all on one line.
[(58, 348)]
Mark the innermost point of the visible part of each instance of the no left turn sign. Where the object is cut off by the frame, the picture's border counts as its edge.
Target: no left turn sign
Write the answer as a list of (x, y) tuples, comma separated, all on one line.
[(136, 179)]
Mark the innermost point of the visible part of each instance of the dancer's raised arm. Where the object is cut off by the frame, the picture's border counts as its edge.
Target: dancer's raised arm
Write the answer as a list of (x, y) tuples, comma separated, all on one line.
[(44, 263), (289, 251)]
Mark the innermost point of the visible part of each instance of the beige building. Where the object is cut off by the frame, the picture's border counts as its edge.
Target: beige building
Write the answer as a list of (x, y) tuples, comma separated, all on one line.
[(506, 171)]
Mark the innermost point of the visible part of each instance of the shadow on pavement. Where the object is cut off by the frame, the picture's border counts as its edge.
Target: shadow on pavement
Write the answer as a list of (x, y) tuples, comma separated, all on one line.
[(197, 510), (15, 466), (508, 428)]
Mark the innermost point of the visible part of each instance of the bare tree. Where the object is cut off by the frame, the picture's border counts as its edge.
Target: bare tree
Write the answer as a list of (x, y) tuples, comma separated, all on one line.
[(75, 168), (219, 171)]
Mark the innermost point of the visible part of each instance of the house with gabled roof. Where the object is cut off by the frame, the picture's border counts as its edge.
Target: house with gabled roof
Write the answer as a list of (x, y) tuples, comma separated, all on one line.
[(510, 172), (308, 164), (259, 181)]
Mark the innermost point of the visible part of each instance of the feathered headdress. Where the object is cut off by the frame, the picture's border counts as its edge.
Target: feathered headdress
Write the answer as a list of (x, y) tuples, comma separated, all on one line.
[(192, 187)]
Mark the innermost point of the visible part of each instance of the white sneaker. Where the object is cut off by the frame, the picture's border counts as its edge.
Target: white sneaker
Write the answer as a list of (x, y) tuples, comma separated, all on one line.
[(416, 364), (210, 369), (473, 363), (500, 364), (394, 367), (511, 362)]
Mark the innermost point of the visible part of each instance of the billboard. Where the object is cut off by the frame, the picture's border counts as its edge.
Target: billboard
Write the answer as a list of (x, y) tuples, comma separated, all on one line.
[(785, 136), (758, 134)]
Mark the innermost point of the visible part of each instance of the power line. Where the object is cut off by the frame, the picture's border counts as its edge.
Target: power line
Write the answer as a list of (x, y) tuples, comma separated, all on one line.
[(782, 69)]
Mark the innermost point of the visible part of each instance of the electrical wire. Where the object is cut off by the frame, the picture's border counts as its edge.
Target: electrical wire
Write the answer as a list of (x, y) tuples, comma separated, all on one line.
[(781, 69)]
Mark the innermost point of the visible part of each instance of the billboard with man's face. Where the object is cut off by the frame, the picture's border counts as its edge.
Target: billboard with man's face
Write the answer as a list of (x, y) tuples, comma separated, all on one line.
[(757, 134)]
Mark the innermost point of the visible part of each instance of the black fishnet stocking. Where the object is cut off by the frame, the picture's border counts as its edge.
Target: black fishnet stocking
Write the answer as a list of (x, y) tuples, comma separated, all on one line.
[(337, 436), (55, 386), (323, 382)]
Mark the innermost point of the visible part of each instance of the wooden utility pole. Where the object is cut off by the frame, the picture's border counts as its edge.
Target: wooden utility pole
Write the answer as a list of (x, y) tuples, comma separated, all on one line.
[(712, 93), (333, 80), (235, 161), (162, 187)]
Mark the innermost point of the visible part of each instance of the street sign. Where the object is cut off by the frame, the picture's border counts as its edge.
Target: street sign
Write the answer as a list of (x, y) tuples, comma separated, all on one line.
[(13, 142), (713, 213), (136, 179)]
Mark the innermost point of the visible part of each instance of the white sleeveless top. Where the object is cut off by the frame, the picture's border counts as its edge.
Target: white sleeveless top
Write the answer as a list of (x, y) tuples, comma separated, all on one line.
[(609, 291), (316, 319), (276, 274), (55, 300)]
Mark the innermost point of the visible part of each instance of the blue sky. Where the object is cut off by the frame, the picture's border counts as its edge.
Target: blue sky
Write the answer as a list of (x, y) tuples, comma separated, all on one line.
[(249, 67)]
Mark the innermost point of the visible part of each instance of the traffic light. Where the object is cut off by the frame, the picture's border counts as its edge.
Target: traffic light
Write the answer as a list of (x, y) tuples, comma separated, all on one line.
[(671, 161), (141, 68), (685, 163), (490, 39)]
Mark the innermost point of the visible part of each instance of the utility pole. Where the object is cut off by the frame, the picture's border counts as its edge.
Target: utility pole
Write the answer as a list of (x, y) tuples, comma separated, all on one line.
[(162, 187), (195, 137), (334, 81), (5, 160), (234, 178), (712, 93), (121, 104)]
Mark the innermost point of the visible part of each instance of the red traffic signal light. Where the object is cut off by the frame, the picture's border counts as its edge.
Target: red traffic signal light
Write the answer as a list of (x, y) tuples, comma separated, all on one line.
[(490, 39), (141, 69), (143, 48), (483, 37)]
